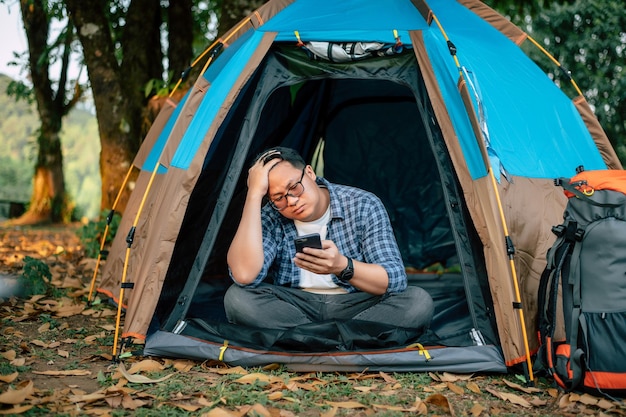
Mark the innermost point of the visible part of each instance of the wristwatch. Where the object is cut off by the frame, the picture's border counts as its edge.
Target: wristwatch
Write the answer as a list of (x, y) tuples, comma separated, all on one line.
[(347, 274)]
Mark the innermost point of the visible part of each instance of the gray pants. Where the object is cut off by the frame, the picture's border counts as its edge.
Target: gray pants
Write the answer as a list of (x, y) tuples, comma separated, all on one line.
[(275, 307)]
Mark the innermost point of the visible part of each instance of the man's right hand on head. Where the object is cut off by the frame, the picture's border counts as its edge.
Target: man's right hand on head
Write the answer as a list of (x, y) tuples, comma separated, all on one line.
[(258, 182)]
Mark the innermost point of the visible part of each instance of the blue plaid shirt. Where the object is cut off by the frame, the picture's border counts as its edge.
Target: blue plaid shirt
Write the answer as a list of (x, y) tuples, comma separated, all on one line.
[(359, 226)]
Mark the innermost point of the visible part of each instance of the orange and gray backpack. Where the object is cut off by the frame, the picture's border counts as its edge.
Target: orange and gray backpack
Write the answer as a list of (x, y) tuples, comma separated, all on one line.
[(584, 284)]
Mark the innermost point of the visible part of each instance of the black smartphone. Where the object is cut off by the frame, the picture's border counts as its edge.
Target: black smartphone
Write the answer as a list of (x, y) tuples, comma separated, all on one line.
[(308, 241)]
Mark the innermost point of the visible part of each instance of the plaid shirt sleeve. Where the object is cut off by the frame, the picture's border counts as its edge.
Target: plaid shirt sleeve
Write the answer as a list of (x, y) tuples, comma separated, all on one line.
[(359, 226), (362, 230)]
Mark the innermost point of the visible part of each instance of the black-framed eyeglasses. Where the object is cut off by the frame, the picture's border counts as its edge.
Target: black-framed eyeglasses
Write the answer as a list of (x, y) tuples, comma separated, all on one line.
[(294, 191)]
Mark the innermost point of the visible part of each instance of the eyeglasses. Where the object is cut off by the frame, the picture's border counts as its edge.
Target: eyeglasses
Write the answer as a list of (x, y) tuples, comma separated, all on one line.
[(294, 191)]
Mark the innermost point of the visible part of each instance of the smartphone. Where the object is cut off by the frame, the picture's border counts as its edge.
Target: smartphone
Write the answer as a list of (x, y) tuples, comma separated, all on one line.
[(308, 241)]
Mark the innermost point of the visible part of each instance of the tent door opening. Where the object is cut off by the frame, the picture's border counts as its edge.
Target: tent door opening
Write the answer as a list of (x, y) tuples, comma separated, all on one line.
[(368, 124)]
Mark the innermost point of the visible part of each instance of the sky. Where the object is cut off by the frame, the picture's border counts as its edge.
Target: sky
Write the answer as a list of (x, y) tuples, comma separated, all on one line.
[(13, 38)]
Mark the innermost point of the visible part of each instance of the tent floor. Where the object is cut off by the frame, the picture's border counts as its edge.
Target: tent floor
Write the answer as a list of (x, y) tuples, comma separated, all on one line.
[(451, 326)]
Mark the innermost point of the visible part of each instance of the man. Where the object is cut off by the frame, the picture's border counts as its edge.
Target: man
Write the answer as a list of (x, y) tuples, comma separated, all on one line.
[(358, 273)]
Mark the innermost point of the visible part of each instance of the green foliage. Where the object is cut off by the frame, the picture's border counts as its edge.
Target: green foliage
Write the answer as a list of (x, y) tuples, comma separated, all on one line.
[(20, 91), (159, 87), (35, 278), (588, 38), (91, 233), (47, 318), (18, 150)]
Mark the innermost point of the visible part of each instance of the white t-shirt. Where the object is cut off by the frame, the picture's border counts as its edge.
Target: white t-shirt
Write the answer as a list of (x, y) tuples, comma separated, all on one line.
[(309, 280)]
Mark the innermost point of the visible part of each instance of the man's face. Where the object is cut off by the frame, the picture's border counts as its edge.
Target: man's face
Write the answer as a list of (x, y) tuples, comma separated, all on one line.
[(294, 191)]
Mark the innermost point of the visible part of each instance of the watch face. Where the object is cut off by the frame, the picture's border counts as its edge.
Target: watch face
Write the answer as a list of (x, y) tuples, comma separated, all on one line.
[(347, 273)]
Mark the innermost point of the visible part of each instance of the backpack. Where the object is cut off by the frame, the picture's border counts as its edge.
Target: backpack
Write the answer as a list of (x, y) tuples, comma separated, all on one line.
[(585, 276)]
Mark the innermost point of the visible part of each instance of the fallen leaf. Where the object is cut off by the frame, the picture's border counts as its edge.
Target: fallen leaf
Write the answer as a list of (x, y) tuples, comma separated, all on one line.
[(477, 410), (18, 395), (185, 406), (527, 390), (330, 413), (9, 355), (455, 388), (148, 365), (515, 399), (472, 386), (259, 410), (18, 362), (440, 401), (274, 396), (434, 376), (63, 353), (44, 327), (9, 378), (220, 412), (140, 379), (235, 370), (388, 378), (16, 410), (605, 404), (588, 399), (87, 398), (73, 372), (183, 365), (254, 377), (538, 402), (70, 310), (345, 404), (449, 377)]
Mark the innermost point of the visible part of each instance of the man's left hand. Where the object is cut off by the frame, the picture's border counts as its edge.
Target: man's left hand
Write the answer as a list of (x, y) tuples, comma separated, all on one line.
[(327, 260)]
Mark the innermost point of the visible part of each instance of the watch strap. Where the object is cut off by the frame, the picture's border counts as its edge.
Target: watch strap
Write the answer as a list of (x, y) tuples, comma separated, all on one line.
[(347, 274)]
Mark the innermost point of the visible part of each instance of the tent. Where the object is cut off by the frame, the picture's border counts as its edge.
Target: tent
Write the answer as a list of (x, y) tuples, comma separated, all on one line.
[(432, 106)]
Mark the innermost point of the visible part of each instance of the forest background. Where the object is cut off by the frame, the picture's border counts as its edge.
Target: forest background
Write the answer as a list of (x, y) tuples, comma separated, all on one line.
[(587, 37)]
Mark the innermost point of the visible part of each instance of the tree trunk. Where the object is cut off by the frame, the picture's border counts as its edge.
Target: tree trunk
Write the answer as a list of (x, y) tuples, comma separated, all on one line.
[(118, 144), (179, 36), (48, 202), (118, 84), (232, 11)]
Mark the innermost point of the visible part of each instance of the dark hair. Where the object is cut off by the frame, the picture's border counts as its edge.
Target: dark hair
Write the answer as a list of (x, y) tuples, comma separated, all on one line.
[(283, 153)]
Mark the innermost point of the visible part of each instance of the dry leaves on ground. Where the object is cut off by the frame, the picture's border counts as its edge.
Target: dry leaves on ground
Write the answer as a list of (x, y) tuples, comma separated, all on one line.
[(56, 359)]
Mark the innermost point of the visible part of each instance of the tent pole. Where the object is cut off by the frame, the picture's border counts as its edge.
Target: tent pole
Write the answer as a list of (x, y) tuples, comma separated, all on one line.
[(517, 304), (129, 242), (478, 133), (102, 252), (564, 71)]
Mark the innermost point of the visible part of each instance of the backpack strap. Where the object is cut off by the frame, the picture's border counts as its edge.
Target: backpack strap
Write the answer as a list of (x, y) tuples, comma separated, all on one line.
[(548, 292), (577, 318), (571, 187), (576, 363)]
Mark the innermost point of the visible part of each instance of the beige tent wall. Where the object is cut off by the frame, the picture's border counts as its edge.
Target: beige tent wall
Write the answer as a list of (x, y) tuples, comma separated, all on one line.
[(113, 270), (157, 230), (531, 208), (482, 205)]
